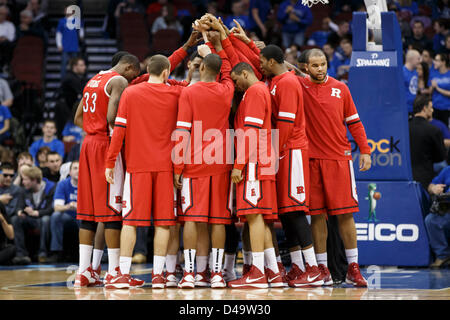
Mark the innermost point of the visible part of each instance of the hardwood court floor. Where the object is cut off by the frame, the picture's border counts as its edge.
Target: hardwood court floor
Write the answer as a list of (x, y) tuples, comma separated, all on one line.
[(55, 282)]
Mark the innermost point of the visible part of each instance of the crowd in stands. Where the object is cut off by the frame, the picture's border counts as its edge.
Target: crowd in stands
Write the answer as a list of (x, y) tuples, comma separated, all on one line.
[(38, 181)]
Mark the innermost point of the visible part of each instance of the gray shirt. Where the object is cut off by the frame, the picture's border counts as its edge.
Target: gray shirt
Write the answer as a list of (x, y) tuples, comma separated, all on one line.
[(5, 91)]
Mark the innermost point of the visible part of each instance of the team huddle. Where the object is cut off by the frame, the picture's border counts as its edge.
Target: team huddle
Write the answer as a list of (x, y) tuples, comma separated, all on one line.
[(156, 154)]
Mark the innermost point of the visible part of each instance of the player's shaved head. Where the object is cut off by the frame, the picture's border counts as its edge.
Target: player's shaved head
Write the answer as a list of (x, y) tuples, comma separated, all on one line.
[(117, 56), (157, 64), (314, 53), (213, 63), (131, 60), (273, 52), (241, 66)]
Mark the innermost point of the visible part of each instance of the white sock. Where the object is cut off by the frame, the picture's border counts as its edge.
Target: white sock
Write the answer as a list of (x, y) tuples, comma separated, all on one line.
[(322, 258), (158, 264), (271, 260), (217, 258), (247, 255), (171, 263), (189, 258), (125, 265), (229, 262), (202, 263), (258, 260), (352, 255), (297, 258), (97, 255), (278, 258), (113, 260), (85, 257), (310, 257)]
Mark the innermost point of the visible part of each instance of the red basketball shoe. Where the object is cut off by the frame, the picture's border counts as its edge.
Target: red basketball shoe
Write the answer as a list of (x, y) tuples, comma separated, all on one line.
[(275, 280), (202, 279), (85, 279), (171, 280), (188, 281), (254, 278), (294, 273), (158, 281), (326, 275), (217, 280), (354, 276), (310, 278)]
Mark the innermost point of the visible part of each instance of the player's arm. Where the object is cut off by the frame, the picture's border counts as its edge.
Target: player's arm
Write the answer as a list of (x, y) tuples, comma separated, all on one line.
[(290, 100), (116, 87), (78, 119), (356, 129)]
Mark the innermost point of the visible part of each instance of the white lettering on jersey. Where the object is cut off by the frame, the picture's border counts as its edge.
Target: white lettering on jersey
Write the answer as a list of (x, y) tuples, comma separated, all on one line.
[(93, 83), (336, 93), (273, 90)]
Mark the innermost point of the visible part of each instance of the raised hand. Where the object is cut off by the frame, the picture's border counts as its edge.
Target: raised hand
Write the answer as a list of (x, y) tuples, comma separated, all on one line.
[(239, 32)]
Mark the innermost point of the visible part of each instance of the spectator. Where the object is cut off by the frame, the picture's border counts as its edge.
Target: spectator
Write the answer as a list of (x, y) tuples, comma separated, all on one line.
[(54, 162), (155, 7), (343, 32), (29, 28), (426, 142), (167, 20), (443, 9), (437, 225), (440, 83), (73, 83), (440, 27), (65, 215), (34, 210), (412, 60), (423, 75), (5, 123), (7, 37), (42, 157), (444, 130), (320, 37), (72, 133), (7, 250), (68, 35), (74, 153), (333, 59), (258, 12), (344, 64), (211, 8), (418, 40), (38, 8), (295, 18), (9, 193), (239, 14), (446, 49), (427, 57), (128, 6), (6, 96), (24, 158), (49, 139)]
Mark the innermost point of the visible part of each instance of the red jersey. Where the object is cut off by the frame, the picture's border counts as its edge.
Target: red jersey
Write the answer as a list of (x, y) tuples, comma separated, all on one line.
[(146, 118), (253, 116), (329, 107), (204, 109), (95, 103), (287, 110)]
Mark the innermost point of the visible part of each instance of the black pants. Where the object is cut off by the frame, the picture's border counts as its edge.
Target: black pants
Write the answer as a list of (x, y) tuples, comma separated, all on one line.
[(7, 253), (337, 260)]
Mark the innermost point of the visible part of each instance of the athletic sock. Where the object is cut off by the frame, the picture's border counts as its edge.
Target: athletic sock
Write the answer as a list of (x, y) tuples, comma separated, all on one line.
[(114, 260), (278, 258), (322, 259), (247, 256), (258, 260), (171, 263), (158, 264), (271, 260), (125, 264), (85, 257), (297, 258), (97, 255), (217, 257), (230, 260), (189, 258), (202, 263), (310, 257), (352, 255)]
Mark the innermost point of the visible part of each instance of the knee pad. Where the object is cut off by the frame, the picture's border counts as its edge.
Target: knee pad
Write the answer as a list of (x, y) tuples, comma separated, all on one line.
[(88, 225), (116, 225)]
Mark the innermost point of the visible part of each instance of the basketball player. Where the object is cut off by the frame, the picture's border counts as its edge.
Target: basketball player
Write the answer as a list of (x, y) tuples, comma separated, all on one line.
[(253, 177), (97, 201), (145, 120), (293, 172), (329, 111), (205, 187)]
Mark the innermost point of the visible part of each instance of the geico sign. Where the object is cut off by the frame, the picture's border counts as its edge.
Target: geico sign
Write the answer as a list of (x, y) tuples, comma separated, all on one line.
[(387, 232)]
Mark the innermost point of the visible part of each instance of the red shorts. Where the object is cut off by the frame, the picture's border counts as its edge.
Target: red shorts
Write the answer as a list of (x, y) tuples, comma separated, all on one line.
[(256, 197), (147, 197), (97, 200), (333, 187), (293, 182), (207, 199)]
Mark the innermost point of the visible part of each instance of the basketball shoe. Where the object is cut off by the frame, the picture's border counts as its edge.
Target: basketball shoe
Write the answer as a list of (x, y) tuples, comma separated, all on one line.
[(217, 280), (283, 273), (98, 281), (275, 280), (122, 281), (171, 280), (158, 281), (188, 281), (310, 278), (354, 276), (294, 273), (326, 275), (85, 279), (246, 268), (253, 279), (202, 279)]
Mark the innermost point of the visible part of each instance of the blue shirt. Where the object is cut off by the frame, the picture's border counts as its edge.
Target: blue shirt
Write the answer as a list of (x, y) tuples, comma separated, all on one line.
[(69, 35), (441, 126), (301, 11), (320, 37), (65, 191), (443, 178), (438, 42), (72, 130), (54, 145), (263, 7), (440, 101), (410, 78), (4, 115), (243, 21)]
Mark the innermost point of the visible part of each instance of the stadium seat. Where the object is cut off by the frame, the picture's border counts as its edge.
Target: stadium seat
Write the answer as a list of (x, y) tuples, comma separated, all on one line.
[(26, 67), (166, 41)]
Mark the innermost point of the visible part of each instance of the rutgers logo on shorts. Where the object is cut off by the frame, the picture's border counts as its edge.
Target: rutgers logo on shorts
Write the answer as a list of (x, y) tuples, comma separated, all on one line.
[(118, 199), (183, 200), (253, 193), (300, 189), (124, 204)]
